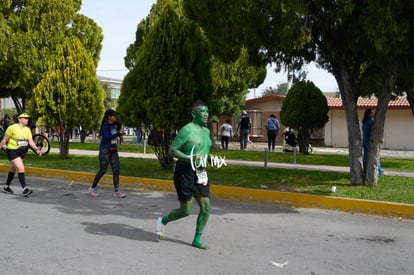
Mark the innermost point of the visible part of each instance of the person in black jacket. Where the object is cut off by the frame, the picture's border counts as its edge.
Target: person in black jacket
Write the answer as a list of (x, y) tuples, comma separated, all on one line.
[(244, 126)]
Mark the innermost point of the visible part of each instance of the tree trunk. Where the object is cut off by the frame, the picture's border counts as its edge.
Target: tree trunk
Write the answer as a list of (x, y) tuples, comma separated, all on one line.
[(64, 143), (161, 143), (349, 94), (410, 98), (303, 140), (18, 105), (82, 134), (377, 134), (214, 145)]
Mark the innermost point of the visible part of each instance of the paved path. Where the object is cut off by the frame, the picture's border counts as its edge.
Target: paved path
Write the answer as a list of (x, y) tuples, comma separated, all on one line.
[(61, 230), (396, 154)]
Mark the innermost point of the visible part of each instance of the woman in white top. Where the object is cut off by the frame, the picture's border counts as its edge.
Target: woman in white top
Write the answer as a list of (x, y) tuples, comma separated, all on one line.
[(226, 131)]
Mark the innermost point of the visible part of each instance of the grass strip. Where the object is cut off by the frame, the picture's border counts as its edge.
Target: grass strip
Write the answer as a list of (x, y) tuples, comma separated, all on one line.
[(390, 188), (396, 164)]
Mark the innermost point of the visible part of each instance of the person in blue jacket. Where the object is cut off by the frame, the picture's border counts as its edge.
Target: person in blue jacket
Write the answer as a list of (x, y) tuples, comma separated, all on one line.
[(367, 124), (109, 133), (272, 127)]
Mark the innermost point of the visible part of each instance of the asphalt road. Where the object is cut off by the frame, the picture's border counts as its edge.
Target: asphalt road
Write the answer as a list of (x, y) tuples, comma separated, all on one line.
[(61, 230)]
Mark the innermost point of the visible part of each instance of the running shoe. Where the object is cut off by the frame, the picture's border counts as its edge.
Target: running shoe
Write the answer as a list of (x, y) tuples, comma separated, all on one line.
[(6, 189), (93, 192), (160, 228), (119, 194), (27, 192)]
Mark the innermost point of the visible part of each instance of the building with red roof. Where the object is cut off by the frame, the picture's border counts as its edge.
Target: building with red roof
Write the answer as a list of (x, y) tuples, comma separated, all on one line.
[(398, 128)]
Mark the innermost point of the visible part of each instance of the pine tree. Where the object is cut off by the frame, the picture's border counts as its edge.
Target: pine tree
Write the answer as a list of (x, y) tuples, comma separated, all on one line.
[(304, 109), (69, 95), (31, 32), (172, 69)]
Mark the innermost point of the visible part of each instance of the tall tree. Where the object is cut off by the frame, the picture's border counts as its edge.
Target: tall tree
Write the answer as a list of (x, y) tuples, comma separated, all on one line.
[(89, 33), (172, 69), (231, 79), (37, 28), (281, 89), (42, 26), (364, 44), (70, 94), (305, 109), (4, 35), (108, 101), (11, 49)]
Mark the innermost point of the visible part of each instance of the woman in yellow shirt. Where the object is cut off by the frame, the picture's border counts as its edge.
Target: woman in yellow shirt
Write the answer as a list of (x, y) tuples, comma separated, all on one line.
[(18, 138)]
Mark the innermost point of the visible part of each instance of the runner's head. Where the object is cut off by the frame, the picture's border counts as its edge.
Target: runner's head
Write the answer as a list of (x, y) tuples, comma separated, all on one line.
[(200, 113), (23, 118), (110, 116)]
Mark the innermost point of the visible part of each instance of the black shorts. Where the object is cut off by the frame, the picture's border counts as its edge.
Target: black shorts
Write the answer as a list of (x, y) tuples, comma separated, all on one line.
[(16, 153), (185, 182)]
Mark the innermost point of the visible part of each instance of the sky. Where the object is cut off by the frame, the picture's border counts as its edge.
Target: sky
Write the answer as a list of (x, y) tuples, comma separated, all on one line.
[(119, 20)]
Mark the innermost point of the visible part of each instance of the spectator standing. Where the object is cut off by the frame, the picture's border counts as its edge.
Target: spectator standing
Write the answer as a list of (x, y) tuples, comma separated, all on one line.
[(272, 127), (226, 131), (367, 124), (138, 133), (6, 122), (244, 126)]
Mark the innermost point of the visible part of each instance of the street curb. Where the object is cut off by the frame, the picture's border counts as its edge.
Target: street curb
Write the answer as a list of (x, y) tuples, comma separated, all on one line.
[(386, 209)]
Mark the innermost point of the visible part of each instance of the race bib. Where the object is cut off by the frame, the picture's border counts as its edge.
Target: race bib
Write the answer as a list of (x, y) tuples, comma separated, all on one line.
[(114, 132), (22, 143), (202, 177)]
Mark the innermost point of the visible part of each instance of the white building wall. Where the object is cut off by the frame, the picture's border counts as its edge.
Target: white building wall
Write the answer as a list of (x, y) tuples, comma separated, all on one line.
[(328, 129), (398, 129), (336, 134), (270, 106)]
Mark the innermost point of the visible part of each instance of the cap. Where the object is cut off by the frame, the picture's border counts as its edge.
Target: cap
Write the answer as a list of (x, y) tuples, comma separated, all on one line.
[(23, 115), (244, 113), (110, 112)]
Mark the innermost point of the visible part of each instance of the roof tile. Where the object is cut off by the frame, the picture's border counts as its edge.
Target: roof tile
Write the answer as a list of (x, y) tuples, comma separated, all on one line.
[(398, 103)]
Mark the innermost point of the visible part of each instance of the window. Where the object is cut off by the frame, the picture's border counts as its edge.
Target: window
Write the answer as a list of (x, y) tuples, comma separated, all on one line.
[(115, 92), (256, 119), (319, 133)]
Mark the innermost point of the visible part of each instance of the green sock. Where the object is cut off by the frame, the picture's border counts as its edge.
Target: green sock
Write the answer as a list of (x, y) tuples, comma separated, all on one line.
[(197, 241)]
